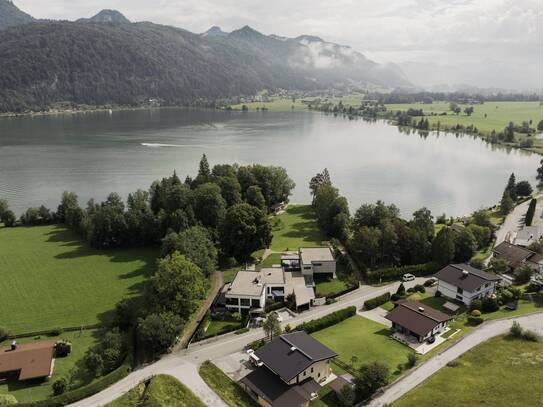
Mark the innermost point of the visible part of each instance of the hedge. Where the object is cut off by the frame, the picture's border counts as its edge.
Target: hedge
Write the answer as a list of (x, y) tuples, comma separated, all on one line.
[(530, 213), (331, 319), (393, 273), (55, 331), (85, 391), (375, 302)]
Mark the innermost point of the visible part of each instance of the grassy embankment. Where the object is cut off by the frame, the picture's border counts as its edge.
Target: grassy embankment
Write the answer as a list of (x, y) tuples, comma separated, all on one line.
[(230, 392), (500, 373), (486, 117), (49, 278), (163, 390)]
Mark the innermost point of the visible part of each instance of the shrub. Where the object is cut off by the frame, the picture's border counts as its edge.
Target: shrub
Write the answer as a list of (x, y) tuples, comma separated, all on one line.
[(474, 321), (533, 287), (59, 386), (523, 274), (420, 288), (476, 313), (328, 320), (63, 349), (56, 331), (256, 344), (242, 331), (7, 400), (430, 282), (401, 290), (453, 363), (395, 297), (515, 331), (476, 305), (4, 333), (288, 328), (375, 302), (437, 294), (489, 304), (236, 316), (531, 336), (411, 359)]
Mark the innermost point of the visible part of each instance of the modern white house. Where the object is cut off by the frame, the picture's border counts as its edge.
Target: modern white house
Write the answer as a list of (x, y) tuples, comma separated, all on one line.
[(464, 283), (317, 260)]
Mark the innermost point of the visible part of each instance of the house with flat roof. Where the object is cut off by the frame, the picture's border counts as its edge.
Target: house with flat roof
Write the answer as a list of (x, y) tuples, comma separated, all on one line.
[(293, 365), (27, 361), (317, 260), (415, 319), (464, 283), (517, 256), (528, 235)]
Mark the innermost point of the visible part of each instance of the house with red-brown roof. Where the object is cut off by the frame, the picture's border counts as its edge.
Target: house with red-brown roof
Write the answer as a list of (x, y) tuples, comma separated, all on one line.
[(27, 361)]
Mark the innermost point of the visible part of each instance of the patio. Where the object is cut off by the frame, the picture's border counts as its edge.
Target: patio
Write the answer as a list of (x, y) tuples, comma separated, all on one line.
[(420, 347)]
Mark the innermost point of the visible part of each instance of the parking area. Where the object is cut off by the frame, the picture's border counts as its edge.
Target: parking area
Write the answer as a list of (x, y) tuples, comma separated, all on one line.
[(236, 365)]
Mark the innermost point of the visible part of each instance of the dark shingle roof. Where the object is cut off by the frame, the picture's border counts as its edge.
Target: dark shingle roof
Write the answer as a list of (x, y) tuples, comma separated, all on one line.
[(515, 255), (408, 315), (454, 274), (276, 392), (287, 363)]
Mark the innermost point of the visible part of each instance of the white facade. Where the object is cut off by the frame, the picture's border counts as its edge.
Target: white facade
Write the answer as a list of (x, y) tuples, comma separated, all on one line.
[(456, 293), (239, 303)]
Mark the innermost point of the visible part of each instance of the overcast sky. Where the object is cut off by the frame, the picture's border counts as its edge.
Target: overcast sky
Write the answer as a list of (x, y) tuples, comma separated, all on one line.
[(490, 43)]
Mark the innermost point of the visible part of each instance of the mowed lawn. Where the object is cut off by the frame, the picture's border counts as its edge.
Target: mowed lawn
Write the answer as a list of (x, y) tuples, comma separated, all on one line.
[(296, 227), (49, 278), (498, 373), (367, 340)]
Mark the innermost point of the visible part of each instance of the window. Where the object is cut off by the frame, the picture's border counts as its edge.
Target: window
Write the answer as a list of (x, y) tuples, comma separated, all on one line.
[(317, 264), (459, 297), (459, 290), (307, 268), (319, 375), (246, 302), (305, 373), (312, 370)]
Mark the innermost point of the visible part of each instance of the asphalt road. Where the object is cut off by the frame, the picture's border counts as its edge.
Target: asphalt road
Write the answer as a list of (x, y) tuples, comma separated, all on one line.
[(424, 371), (184, 364)]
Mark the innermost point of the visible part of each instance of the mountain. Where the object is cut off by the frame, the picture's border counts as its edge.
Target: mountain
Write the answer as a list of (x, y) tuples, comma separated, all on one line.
[(10, 15), (214, 32), (94, 62), (107, 16)]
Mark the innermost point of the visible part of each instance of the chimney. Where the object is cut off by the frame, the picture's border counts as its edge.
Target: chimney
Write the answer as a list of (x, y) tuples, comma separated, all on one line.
[(465, 273), (14, 345), (421, 309)]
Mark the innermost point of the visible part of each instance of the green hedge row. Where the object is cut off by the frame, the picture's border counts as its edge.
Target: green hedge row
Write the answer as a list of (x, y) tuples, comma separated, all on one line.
[(375, 302), (530, 213), (331, 319), (85, 391), (394, 273), (55, 331)]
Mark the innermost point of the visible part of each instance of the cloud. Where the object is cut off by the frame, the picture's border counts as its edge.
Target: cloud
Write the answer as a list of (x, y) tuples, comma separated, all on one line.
[(446, 32)]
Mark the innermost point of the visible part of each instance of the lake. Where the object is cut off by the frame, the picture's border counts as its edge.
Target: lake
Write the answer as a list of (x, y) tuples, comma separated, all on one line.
[(97, 153)]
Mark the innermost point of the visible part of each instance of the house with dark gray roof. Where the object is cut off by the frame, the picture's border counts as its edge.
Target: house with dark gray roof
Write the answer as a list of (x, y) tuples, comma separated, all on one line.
[(413, 318), (464, 283), (293, 365), (517, 256)]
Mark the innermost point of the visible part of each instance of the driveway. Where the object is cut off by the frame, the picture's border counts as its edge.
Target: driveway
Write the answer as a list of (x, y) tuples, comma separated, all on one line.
[(420, 374), (377, 315), (183, 364)]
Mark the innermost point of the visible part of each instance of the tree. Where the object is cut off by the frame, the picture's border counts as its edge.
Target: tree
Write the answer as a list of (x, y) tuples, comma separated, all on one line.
[(8, 218), (540, 126), (94, 363), (453, 107), (465, 246), (512, 187), (203, 169), (4, 207), (540, 172), (272, 326), (244, 230), (370, 378), (523, 274), (230, 189), (332, 211), (319, 180), (481, 217), (209, 205), (158, 331), (59, 386), (254, 197), (482, 235), (401, 290), (194, 243), (443, 246), (509, 133), (424, 221), (469, 110), (536, 246), (498, 266), (524, 188), (365, 244), (506, 204), (178, 285), (347, 395)]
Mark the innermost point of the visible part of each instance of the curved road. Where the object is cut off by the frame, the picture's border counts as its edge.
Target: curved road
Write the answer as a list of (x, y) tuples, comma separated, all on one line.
[(486, 331), (184, 364)]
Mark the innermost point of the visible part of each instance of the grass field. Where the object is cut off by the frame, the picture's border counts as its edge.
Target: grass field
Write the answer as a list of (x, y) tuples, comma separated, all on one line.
[(274, 105), (498, 373), (64, 367), (330, 287), (216, 327), (367, 340), (49, 278), (230, 392), (131, 399), (296, 227)]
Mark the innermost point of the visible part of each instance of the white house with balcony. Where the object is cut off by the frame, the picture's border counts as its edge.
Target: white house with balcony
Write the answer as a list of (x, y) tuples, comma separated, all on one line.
[(464, 283)]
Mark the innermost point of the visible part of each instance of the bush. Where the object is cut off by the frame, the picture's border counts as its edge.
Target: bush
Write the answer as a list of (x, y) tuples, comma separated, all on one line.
[(531, 288), (438, 294), (430, 282), (515, 331), (395, 297), (288, 328), (256, 344), (7, 400), (411, 360), (476, 313), (476, 305), (401, 290), (377, 301), (56, 331), (420, 288), (328, 320), (453, 363), (59, 386), (242, 331), (63, 349), (474, 321), (394, 273), (4, 333), (523, 274), (489, 304), (531, 336)]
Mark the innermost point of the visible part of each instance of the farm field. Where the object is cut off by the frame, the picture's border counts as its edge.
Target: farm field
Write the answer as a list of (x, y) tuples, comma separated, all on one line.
[(274, 105), (64, 367), (49, 278), (500, 373), (498, 114)]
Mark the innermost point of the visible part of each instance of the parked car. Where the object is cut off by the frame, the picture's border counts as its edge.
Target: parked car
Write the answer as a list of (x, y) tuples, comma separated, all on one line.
[(431, 339), (255, 360), (408, 277)]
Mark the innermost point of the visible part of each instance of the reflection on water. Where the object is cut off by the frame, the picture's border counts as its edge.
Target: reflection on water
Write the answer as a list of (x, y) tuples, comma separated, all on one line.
[(97, 153)]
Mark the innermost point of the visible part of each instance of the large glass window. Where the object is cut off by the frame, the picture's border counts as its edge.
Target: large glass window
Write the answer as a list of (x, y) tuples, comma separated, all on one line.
[(245, 302)]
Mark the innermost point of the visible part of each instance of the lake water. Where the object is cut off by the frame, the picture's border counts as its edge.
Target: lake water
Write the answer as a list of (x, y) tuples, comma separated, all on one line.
[(97, 153)]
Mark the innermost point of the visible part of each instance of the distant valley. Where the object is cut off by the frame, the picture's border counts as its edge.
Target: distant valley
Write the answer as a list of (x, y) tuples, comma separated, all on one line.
[(107, 59)]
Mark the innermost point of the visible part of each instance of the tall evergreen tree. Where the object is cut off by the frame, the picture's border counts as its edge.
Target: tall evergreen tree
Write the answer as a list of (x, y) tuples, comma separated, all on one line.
[(512, 187)]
